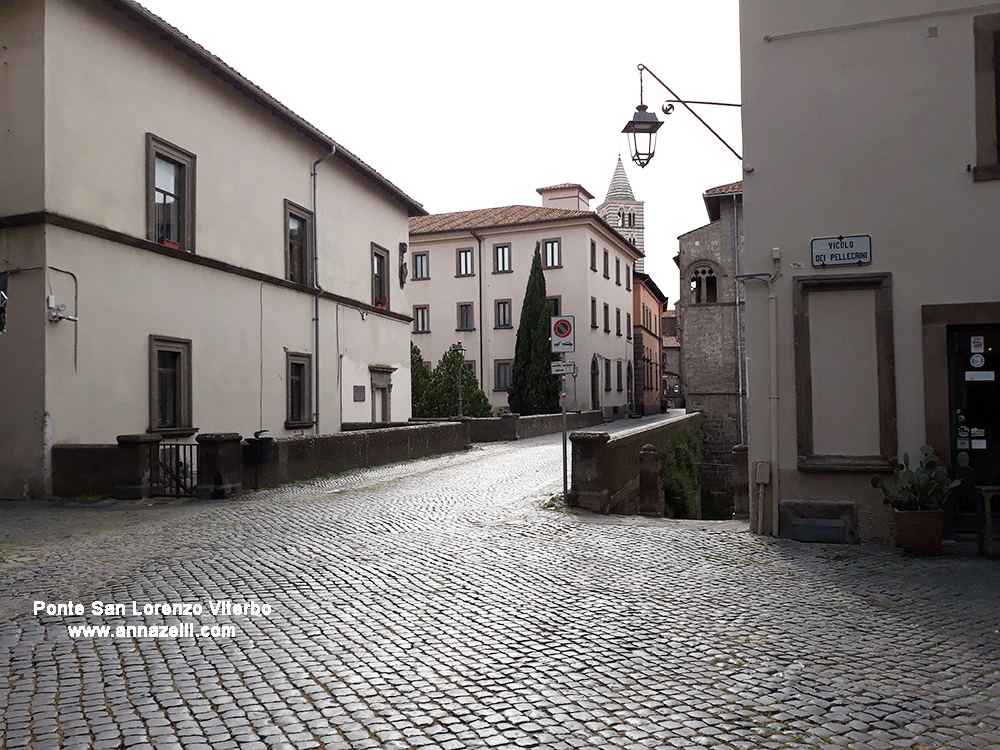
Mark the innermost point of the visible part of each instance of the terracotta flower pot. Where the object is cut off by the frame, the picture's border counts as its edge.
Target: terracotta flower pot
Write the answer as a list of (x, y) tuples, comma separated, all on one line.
[(920, 531)]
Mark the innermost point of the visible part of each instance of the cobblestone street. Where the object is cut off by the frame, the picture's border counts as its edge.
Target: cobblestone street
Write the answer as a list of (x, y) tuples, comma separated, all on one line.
[(438, 604)]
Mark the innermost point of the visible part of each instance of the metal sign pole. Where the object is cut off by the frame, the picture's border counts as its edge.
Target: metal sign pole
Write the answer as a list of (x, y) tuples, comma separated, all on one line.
[(562, 398)]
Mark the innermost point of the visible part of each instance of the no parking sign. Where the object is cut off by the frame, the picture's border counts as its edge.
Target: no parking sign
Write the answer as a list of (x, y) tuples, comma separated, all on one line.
[(563, 333)]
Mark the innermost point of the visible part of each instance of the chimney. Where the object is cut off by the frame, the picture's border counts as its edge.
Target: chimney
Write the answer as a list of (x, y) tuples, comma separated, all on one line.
[(568, 195)]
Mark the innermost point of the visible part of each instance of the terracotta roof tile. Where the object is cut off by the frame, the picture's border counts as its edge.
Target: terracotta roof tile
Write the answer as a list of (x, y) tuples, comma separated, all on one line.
[(484, 218), (729, 189)]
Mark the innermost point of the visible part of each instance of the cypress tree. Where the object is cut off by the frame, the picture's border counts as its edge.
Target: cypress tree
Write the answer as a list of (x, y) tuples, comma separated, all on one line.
[(533, 387)]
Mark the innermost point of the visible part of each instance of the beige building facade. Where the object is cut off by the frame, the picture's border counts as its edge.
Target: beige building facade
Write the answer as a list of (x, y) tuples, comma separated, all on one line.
[(172, 266), (469, 273), (873, 323)]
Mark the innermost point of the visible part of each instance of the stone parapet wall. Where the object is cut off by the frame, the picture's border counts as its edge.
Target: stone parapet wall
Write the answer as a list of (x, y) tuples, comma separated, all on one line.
[(606, 468)]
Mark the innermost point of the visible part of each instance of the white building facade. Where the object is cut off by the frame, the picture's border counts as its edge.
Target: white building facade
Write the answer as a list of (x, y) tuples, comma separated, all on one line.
[(871, 217), (172, 267), (469, 273)]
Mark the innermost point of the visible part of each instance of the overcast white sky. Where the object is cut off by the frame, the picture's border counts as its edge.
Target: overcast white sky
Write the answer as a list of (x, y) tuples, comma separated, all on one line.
[(472, 105)]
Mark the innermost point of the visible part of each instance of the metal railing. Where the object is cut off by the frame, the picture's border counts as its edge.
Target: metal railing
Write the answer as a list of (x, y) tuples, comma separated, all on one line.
[(173, 470)]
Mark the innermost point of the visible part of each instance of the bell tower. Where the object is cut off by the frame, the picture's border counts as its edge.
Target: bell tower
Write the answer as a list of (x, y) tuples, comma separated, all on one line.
[(622, 211)]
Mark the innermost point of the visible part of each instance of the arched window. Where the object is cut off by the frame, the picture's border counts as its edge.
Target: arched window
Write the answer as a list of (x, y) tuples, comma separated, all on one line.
[(631, 219), (621, 217), (704, 288)]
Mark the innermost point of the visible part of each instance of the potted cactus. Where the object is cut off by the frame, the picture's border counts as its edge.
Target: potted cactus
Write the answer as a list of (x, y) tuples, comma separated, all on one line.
[(917, 497)]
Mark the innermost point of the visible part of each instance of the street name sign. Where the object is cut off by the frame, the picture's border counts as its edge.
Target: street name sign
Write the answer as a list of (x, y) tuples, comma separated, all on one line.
[(562, 331), (563, 368), (841, 251)]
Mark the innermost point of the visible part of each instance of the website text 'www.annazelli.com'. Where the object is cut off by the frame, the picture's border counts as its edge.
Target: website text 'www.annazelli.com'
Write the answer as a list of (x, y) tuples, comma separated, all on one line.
[(149, 611)]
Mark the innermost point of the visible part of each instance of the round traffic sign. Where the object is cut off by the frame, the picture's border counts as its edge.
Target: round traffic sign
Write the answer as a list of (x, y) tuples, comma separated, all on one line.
[(563, 328)]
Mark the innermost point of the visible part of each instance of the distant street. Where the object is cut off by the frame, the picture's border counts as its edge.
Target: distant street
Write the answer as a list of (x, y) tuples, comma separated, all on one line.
[(439, 604)]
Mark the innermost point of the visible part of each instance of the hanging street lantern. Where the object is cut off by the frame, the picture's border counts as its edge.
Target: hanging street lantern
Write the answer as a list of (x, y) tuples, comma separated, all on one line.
[(641, 130)]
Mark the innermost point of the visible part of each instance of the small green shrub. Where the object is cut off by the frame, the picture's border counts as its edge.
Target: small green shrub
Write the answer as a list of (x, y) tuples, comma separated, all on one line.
[(680, 472)]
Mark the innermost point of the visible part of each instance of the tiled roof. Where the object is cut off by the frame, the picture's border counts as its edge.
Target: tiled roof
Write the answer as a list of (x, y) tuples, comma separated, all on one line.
[(242, 84), (620, 189), (565, 185), (732, 187), (484, 218)]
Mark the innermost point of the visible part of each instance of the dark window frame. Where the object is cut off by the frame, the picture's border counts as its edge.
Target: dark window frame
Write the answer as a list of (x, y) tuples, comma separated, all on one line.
[(496, 373), (183, 403), (157, 147), (628, 326), (607, 374), (593, 256), (555, 242), (472, 316), (380, 300), (607, 264), (607, 318), (496, 313), (426, 258), (628, 277), (556, 309), (303, 419), (427, 319), (467, 252), (618, 271), (497, 257), (618, 321), (293, 210), (593, 312)]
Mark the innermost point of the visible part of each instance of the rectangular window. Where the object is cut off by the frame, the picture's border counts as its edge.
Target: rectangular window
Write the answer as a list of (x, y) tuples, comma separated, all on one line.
[(593, 312), (501, 381), (607, 374), (555, 305), (463, 262), (593, 255), (299, 390), (501, 259), (619, 375), (607, 318), (618, 321), (465, 316), (553, 258), (170, 194), (618, 271), (628, 277), (422, 319), (170, 386), (421, 266), (380, 277), (298, 244), (628, 325), (503, 314), (607, 274), (844, 373)]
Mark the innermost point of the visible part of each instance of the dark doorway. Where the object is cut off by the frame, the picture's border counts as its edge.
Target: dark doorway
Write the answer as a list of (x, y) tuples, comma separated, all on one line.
[(974, 399)]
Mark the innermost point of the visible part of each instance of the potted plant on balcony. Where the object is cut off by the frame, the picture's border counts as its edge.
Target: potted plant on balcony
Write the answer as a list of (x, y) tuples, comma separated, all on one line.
[(917, 497)]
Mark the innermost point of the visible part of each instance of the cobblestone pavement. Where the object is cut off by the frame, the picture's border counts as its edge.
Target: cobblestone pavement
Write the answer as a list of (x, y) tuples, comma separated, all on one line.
[(437, 604)]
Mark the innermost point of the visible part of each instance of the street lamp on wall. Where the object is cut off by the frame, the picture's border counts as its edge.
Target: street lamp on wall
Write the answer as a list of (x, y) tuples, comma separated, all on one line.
[(641, 129)]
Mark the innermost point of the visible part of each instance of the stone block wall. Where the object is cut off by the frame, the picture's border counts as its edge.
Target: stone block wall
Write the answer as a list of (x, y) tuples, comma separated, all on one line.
[(605, 468)]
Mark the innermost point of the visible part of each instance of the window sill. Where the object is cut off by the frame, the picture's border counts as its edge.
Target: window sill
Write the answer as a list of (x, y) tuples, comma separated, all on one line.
[(299, 425), (548, 268), (465, 275), (465, 330), (427, 331), (503, 328), (507, 271), (421, 278), (173, 432), (986, 173)]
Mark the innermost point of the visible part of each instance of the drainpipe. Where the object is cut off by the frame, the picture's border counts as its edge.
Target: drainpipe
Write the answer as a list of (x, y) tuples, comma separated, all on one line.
[(739, 339), (482, 331), (772, 308), (319, 289)]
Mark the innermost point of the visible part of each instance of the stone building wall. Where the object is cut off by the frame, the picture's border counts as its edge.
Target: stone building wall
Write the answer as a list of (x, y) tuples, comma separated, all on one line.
[(710, 369)]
